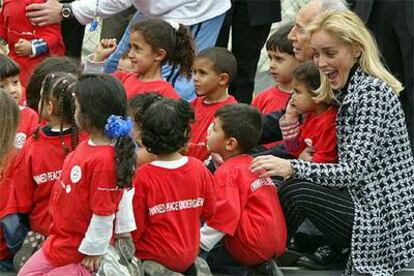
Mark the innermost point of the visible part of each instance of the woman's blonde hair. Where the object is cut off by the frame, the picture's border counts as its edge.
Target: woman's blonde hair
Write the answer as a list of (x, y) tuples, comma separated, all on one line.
[(9, 119), (348, 28)]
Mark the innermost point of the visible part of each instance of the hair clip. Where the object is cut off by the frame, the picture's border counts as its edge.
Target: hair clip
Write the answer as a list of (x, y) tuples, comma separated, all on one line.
[(117, 127)]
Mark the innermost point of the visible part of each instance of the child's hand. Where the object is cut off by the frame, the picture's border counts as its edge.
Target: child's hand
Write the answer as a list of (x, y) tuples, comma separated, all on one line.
[(23, 47), (307, 154), (291, 111), (92, 263), (105, 49)]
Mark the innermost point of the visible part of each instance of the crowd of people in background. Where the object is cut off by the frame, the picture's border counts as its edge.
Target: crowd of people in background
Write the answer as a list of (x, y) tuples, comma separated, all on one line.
[(153, 156)]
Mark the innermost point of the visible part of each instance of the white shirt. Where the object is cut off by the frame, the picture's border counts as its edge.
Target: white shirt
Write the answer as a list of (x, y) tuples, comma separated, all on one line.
[(186, 12)]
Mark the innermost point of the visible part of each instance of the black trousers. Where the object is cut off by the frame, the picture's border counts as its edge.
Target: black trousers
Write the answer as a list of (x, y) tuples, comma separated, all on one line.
[(329, 210), (247, 43), (72, 32)]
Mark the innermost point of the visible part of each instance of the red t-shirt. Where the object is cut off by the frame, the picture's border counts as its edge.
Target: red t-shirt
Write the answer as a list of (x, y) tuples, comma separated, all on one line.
[(134, 86), (15, 25), (271, 100), (38, 167), (249, 212), (204, 116), (168, 207), (321, 129), (7, 199), (27, 125), (86, 186)]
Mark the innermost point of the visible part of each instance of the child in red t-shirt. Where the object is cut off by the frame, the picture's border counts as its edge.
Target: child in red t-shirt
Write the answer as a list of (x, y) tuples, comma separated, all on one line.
[(88, 193), (29, 43), (213, 70), (10, 81), (154, 42), (40, 161), (249, 221), (315, 139), (12, 229), (137, 106), (173, 193), (281, 64)]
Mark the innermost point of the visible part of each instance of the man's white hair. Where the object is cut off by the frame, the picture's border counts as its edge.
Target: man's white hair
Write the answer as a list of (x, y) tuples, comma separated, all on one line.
[(334, 5)]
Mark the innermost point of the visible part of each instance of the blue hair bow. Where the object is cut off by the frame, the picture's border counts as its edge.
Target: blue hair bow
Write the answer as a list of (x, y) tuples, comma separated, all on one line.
[(117, 127)]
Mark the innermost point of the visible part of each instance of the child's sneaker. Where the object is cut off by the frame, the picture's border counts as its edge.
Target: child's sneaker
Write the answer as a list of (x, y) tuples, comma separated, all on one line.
[(152, 268), (110, 265), (31, 244), (126, 251), (201, 267)]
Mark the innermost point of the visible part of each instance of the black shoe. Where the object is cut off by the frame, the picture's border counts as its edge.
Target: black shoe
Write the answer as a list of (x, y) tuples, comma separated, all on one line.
[(325, 258), (300, 245)]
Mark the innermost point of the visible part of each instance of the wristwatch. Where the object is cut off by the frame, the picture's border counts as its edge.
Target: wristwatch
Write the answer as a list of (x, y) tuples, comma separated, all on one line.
[(66, 11)]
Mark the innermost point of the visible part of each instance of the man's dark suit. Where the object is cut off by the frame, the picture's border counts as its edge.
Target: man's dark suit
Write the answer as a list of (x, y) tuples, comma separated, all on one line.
[(392, 23), (250, 21)]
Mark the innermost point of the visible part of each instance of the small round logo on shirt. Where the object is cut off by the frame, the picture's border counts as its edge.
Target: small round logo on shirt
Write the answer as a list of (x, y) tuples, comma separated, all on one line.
[(19, 140), (75, 174)]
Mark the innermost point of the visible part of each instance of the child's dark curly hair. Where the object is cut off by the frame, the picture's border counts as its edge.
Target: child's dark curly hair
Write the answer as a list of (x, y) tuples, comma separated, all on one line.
[(138, 104), (166, 126)]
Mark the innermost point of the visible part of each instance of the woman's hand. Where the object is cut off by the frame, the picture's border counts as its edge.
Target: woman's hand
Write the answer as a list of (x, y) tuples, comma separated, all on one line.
[(44, 13), (273, 166), (105, 48), (92, 263)]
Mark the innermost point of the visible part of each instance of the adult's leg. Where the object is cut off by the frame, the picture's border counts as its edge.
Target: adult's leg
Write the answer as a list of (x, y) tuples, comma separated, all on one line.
[(115, 26), (330, 210), (205, 36), (72, 33), (247, 43)]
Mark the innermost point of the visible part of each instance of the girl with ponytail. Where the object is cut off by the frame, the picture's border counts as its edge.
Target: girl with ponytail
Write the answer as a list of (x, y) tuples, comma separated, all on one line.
[(92, 200), (154, 42)]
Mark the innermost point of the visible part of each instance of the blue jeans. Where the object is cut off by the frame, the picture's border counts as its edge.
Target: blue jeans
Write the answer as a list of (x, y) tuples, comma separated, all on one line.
[(205, 35), (14, 230), (220, 262)]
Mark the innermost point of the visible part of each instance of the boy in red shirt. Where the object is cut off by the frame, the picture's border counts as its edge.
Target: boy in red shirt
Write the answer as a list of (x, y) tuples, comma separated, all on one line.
[(29, 44), (249, 219), (10, 81), (173, 193), (281, 64), (213, 70), (12, 229)]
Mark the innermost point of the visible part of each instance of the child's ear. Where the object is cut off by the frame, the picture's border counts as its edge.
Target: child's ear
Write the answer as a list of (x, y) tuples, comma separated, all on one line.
[(232, 144), (224, 79), (49, 108), (161, 54)]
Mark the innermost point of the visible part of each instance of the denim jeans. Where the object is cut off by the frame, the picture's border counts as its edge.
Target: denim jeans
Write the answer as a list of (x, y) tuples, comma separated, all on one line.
[(220, 262), (205, 35), (15, 230)]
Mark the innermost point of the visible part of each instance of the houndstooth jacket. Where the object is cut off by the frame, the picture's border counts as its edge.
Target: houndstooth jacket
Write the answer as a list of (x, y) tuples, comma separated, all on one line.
[(376, 166)]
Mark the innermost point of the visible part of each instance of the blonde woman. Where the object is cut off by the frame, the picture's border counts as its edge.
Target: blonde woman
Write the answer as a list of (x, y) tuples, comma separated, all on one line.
[(9, 119), (366, 200)]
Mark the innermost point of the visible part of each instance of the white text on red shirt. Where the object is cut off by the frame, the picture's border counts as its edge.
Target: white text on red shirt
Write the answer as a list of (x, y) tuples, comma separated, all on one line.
[(176, 206)]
